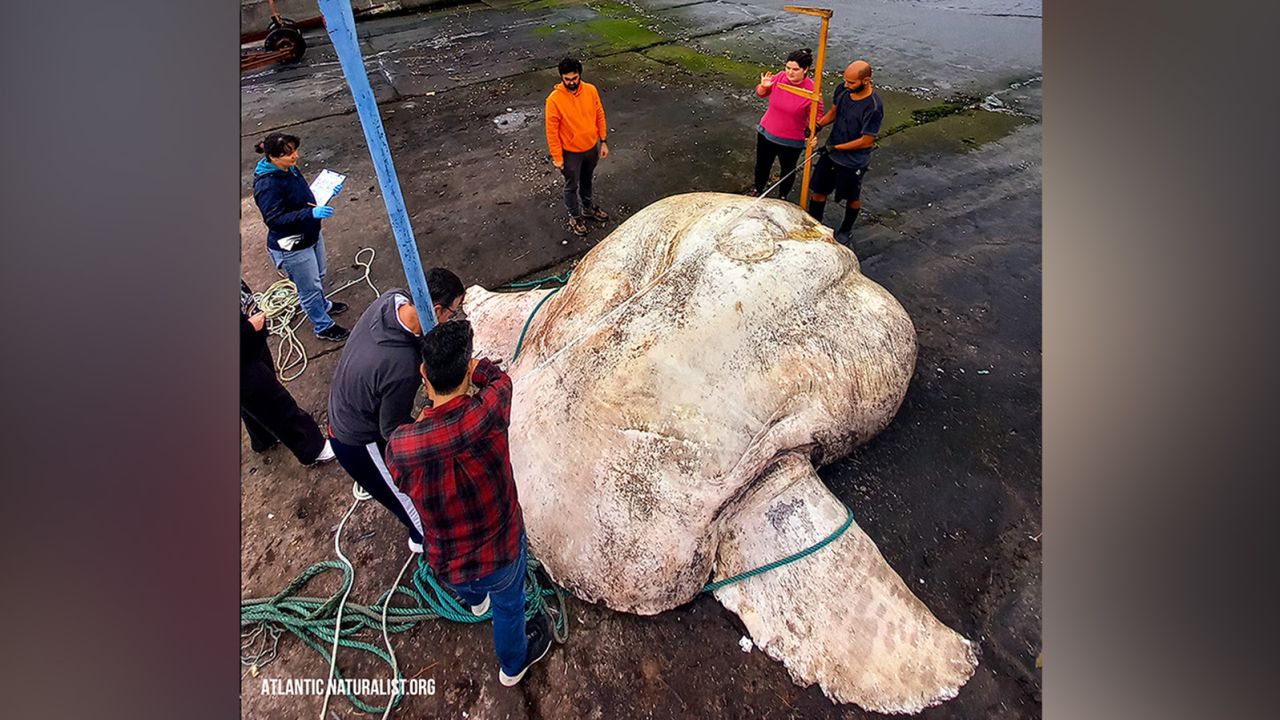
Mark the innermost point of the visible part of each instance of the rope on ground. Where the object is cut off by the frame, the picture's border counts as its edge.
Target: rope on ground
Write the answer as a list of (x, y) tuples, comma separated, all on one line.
[(312, 619), (350, 570), (395, 668), (259, 646), (713, 586), (280, 303)]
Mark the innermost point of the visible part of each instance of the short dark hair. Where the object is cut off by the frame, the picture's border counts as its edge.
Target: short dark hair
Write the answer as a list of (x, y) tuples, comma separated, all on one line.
[(802, 57), (446, 353), (570, 65), (278, 145), (444, 286)]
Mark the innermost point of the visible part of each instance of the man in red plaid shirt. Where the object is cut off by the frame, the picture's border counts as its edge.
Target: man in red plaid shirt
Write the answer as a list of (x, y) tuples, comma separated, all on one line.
[(454, 463)]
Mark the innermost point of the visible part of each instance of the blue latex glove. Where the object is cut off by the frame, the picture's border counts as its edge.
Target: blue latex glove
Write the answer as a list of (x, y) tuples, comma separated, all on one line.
[(321, 212), (337, 189)]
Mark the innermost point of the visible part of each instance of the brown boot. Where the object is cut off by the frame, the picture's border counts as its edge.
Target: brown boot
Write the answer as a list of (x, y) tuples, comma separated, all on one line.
[(595, 214), (578, 227)]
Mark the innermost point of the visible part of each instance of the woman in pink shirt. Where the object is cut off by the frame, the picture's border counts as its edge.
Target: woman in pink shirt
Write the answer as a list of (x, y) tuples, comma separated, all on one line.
[(780, 134)]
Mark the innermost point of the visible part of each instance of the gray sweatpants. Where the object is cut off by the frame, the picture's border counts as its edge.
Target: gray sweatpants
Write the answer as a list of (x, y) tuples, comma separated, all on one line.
[(578, 169)]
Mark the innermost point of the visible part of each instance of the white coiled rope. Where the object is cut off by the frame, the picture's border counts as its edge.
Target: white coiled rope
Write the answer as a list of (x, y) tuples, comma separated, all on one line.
[(279, 302)]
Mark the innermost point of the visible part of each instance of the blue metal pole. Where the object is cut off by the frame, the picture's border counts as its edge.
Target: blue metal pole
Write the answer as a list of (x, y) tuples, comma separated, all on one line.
[(341, 25)]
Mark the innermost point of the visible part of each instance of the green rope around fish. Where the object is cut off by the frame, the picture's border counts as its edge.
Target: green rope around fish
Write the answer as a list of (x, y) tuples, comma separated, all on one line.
[(713, 586), (561, 279)]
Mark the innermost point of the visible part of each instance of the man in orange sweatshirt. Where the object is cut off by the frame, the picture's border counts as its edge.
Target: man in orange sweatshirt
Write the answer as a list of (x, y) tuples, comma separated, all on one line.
[(577, 139)]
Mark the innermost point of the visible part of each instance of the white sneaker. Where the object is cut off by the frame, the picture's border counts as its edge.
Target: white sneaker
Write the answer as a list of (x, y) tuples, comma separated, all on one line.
[(415, 547), (326, 454), (482, 608)]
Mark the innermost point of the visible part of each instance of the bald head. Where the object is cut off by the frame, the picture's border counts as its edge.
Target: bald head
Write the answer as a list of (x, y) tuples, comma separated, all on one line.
[(857, 75), (858, 70)]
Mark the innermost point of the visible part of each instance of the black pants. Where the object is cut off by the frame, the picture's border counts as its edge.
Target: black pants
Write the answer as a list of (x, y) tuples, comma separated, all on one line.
[(829, 175), (367, 466), (578, 171), (766, 152), (270, 412)]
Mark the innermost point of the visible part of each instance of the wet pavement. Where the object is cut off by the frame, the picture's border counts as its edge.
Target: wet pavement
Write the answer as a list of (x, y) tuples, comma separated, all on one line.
[(950, 491)]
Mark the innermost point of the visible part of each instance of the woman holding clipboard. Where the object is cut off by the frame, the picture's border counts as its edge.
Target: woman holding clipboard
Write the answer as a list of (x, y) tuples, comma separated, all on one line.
[(293, 220)]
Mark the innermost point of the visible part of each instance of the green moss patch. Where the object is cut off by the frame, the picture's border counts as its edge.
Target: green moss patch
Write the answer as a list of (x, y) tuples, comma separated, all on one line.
[(605, 36), (957, 132), (905, 111), (736, 72), (617, 28), (900, 110)]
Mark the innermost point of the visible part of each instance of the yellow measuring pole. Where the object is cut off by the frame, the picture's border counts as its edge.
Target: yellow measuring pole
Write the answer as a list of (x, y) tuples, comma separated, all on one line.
[(813, 97)]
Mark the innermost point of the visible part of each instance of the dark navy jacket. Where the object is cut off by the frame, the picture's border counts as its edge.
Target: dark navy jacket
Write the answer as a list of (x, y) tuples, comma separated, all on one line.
[(282, 197)]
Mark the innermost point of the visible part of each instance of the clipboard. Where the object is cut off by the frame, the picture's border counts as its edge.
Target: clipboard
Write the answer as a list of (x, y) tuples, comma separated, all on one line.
[(324, 185)]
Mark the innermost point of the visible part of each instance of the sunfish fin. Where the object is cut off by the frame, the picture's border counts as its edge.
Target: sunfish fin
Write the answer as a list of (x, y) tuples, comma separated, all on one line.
[(840, 617)]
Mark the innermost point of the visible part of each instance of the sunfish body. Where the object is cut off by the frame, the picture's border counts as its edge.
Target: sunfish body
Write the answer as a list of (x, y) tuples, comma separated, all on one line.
[(671, 403)]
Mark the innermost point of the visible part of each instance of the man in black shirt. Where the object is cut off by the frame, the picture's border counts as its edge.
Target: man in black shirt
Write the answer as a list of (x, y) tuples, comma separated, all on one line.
[(856, 112)]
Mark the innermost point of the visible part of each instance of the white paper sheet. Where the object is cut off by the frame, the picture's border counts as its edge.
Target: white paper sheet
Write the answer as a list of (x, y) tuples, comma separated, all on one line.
[(322, 187)]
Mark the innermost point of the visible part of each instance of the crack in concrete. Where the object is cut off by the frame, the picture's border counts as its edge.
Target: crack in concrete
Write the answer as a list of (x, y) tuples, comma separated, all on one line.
[(721, 31), (263, 131), (689, 4)]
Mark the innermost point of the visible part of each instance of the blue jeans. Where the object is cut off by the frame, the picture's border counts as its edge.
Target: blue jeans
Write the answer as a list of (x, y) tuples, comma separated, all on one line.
[(306, 269), (505, 588)]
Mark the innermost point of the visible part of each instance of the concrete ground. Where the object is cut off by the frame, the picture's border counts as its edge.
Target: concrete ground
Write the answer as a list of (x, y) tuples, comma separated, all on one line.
[(950, 491)]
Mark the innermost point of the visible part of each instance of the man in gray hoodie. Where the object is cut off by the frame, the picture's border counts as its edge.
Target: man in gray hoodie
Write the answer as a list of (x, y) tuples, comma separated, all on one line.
[(375, 385)]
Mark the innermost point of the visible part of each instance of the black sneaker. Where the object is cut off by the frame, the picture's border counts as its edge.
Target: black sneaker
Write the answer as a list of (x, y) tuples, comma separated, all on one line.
[(337, 307), (335, 333), (539, 632)]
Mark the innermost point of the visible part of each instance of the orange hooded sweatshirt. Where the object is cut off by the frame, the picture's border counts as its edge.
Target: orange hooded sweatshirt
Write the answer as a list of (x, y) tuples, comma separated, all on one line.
[(575, 121)]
